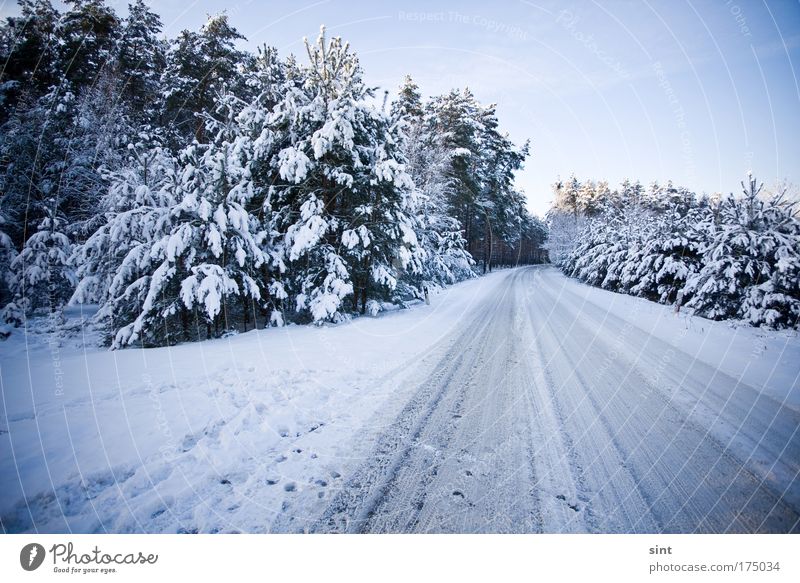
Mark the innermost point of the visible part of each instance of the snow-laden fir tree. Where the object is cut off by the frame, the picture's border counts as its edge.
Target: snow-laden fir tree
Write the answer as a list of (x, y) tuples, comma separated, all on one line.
[(565, 220), (209, 255), (41, 276), (140, 59), (88, 35), (428, 161), (345, 198), (481, 170), (37, 197), (93, 148), (113, 264), (29, 51), (667, 256), (750, 261), (200, 66), (602, 247)]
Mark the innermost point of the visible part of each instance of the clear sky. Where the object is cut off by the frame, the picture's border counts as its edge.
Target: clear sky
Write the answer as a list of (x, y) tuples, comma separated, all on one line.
[(696, 91)]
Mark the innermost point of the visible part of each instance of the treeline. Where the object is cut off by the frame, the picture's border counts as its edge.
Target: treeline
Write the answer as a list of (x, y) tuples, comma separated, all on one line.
[(731, 257), (191, 188)]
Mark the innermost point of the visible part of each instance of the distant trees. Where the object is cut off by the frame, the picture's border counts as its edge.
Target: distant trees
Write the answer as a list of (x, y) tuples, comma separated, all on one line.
[(190, 188), (734, 257), (429, 162), (480, 172)]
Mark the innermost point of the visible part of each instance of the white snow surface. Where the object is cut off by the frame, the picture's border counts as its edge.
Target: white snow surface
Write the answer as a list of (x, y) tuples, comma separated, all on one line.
[(519, 401)]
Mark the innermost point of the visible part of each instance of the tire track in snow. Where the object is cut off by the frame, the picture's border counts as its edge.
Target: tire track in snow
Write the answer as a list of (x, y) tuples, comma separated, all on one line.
[(391, 490)]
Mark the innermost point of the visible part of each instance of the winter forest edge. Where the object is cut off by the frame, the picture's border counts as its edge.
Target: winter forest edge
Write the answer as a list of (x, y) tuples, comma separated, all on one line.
[(191, 189)]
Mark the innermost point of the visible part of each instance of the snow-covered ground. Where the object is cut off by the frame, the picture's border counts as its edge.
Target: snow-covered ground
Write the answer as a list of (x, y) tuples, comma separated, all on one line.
[(520, 401)]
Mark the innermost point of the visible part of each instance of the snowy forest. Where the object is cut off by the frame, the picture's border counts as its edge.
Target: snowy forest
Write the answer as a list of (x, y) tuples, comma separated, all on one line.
[(190, 188), (723, 257)]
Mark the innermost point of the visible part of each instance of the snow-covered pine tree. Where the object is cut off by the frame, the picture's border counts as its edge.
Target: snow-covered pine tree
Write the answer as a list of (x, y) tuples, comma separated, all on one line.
[(428, 162), (501, 212), (750, 262), (140, 59), (776, 302), (568, 196), (259, 139), (41, 276), (587, 198), (92, 148), (111, 265), (88, 35), (35, 206), (483, 162), (455, 116), (589, 260), (625, 245), (200, 66), (29, 53), (7, 255), (565, 222), (669, 255), (210, 253), (344, 195)]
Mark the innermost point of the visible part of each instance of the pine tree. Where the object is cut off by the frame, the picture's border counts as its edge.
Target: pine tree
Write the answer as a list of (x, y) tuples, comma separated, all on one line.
[(482, 167), (33, 203), (750, 262), (7, 255), (29, 53), (670, 255), (88, 35), (200, 66), (111, 265), (42, 278), (344, 193), (140, 58), (210, 251), (428, 161), (408, 105)]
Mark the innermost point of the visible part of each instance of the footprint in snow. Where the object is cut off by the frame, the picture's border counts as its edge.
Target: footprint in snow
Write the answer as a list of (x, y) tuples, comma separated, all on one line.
[(574, 507), (188, 442)]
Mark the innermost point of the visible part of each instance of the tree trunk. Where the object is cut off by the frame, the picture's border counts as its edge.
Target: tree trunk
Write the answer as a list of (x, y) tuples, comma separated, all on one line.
[(487, 247), (185, 323)]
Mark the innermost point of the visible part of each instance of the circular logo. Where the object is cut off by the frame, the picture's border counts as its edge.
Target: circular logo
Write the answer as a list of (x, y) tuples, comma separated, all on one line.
[(31, 556)]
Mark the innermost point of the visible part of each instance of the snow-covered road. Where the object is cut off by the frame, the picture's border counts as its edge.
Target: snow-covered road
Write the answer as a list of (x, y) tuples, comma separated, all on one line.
[(550, 413), (520, 402)]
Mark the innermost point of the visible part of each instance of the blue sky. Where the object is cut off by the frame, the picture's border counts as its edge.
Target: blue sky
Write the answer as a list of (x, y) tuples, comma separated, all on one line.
[(696, 91)]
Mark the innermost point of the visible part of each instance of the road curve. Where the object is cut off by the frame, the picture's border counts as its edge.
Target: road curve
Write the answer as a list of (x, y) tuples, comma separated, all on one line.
[(543, 415)]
